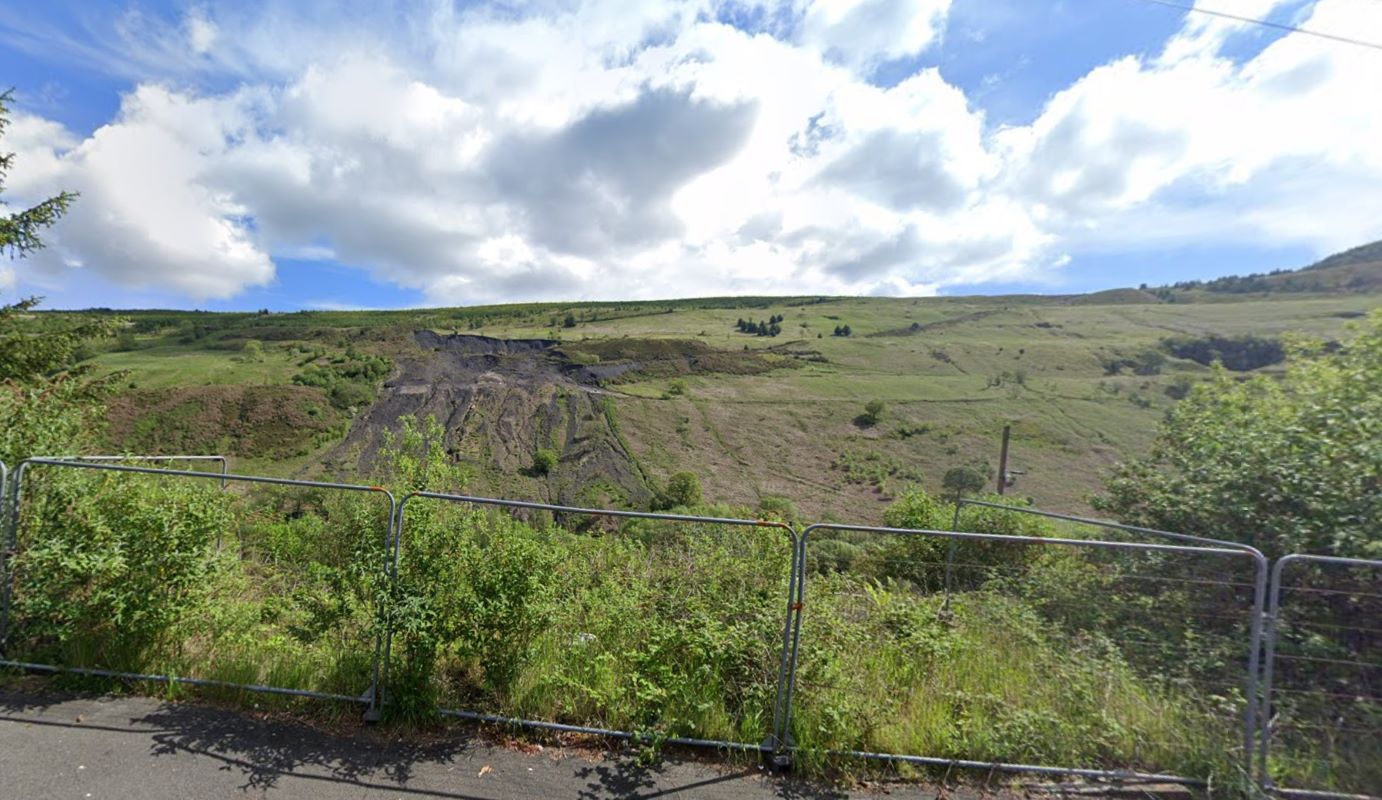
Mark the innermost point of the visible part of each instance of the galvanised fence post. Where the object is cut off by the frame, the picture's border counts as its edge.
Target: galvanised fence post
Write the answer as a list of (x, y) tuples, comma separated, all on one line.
[(780, 746), (773, 747), (367, 698), (1254, 711)]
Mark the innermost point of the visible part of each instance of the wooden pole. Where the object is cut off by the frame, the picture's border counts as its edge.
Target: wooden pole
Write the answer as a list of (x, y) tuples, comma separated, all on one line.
[(1003, 461)]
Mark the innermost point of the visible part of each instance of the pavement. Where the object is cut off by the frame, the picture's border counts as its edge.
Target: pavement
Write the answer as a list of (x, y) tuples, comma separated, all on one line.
[(56, 745)]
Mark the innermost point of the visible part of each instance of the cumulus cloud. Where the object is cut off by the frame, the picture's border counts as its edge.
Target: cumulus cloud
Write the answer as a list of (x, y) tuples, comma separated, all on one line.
[(596, 148), (145, 216)]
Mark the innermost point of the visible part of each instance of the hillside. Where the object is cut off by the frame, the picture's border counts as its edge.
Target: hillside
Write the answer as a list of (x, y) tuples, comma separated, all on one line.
[(629, 393), (1352, 271)]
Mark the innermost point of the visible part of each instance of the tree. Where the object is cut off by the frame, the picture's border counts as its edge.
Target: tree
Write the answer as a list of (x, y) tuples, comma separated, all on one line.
[(252, 350), (962, 481), (683, 491), (1286, 465), (44, 406), (19, 232), (569, 322), (873, 412)]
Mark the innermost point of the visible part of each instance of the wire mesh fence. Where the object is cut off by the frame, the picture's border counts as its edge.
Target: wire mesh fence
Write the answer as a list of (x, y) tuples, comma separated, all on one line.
[(668, 628), (1226, 633), (1030, 641), (150, 574), (1323, 678), (1036, 653)]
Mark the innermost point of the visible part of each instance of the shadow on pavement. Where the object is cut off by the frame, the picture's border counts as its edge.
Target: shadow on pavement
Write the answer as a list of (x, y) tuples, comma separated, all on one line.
[(265, 750)]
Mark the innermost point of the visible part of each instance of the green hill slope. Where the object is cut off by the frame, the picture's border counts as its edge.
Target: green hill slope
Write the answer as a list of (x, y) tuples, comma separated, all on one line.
[(677, 387)]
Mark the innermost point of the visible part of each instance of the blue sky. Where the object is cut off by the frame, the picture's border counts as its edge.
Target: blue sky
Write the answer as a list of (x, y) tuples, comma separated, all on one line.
[(333, 155)]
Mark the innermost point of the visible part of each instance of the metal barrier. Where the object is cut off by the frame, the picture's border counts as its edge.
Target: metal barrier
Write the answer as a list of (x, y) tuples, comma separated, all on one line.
[(368, 698), (222, 460), (1330, 707), (1253, 714), (4, 535), (772, 746), (1156, 552)]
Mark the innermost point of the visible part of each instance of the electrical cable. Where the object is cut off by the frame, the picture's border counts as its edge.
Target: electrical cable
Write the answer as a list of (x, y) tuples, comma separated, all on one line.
[(1265, 23)]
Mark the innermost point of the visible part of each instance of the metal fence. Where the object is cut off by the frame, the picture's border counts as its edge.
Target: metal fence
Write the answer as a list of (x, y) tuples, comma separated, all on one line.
[(1322, 733), (1253, 711), (571, 644), (18, 538), (222, 460), (1179, 622), (911, 606)]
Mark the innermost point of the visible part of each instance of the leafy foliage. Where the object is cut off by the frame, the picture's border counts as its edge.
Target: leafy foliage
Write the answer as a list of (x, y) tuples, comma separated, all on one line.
[(348, 380), (116, 567), (544, 461), (683, 490), (963, 481), (1289, 465)]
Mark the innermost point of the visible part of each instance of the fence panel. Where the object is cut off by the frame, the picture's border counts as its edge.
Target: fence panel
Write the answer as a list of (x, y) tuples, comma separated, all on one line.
[(154, 574), (1077, 527), (636, 625), (1323, 679), (1069, 656)]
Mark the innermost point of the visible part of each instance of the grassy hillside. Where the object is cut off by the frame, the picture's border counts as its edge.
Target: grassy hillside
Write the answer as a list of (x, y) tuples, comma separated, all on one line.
[(1355, 270), (1064, 371)]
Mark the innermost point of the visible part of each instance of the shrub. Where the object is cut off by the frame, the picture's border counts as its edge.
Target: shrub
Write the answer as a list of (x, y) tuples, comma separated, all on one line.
[(683, 490), (963, 480), (873, 413), (107, 564), (544, 461)]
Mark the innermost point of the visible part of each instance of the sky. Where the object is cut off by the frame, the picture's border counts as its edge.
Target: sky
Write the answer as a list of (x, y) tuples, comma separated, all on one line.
[(336, 155)]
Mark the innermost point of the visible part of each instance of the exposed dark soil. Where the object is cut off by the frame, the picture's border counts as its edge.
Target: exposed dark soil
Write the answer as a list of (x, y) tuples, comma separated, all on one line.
[(500, 401)]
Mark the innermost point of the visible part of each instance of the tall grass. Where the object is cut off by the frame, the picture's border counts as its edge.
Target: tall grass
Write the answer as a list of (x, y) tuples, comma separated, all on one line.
[(665, 629)]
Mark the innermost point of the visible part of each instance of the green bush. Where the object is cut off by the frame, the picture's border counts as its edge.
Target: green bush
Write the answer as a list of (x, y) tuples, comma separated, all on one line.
[(108, 565), (544, 461), (683, 490)]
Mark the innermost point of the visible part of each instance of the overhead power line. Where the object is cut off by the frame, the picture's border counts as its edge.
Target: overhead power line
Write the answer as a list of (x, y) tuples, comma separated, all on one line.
[(1264, 23)]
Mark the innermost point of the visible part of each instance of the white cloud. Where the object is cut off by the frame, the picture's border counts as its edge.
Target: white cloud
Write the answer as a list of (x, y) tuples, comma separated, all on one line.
[(201, 33), (1192, 129), (865, 32), (599, 148), (145, 217)]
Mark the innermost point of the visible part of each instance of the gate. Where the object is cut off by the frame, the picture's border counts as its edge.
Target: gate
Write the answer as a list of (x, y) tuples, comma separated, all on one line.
[(1322, 733), (131, 585), (710, 672)]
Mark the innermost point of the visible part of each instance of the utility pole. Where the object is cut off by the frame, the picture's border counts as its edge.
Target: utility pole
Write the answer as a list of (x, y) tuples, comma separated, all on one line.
[(1003, 460)]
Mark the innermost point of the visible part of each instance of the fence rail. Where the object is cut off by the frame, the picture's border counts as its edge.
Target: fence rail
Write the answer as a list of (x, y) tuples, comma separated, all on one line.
[(1140, 567), (222, 460)]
